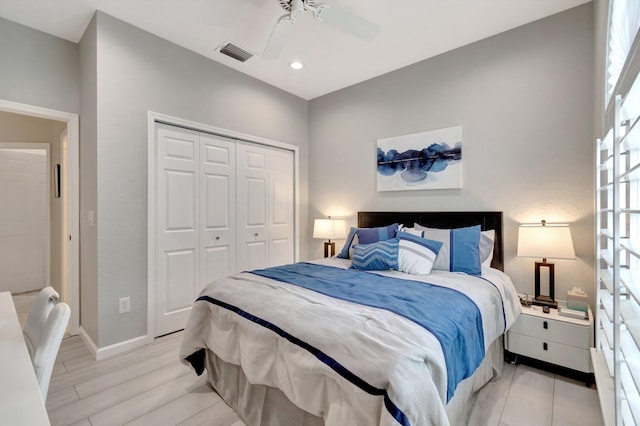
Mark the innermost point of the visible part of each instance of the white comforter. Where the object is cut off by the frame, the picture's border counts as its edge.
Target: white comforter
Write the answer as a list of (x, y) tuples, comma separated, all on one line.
[(385, 350)]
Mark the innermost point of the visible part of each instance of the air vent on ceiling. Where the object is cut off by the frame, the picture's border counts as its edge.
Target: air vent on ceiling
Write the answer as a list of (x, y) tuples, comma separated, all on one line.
[(235, 52)]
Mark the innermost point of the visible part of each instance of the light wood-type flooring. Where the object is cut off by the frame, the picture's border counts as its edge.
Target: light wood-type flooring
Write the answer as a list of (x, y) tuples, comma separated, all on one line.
[(149, 386)]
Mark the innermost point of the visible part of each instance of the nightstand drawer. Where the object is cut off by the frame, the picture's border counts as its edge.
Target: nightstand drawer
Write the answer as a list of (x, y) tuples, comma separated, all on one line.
[(553, 331), (555, 353)]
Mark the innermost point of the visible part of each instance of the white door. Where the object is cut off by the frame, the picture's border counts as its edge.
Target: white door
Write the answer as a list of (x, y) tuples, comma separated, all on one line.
[(281, 207), (222, 207), (178, 211), (217, 208), (24, 220), (252, 175)]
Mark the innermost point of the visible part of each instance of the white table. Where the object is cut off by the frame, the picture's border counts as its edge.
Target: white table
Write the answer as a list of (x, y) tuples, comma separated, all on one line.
[(553, 338), (20, 398)]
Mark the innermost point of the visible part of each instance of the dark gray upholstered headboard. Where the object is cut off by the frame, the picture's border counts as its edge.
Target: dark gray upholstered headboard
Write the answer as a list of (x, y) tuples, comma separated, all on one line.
[(487, 221)]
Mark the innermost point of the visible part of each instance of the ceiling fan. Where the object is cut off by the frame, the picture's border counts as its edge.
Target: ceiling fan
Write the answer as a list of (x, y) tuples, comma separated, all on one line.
[(343, 20)]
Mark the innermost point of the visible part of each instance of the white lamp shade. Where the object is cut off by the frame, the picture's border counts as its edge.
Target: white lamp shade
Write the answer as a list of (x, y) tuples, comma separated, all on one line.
[(548, 241), (329, 229)]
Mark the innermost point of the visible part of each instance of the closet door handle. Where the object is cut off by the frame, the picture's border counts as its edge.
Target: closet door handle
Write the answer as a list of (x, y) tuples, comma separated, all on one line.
[(545, 325), (255, 235), (217, 237), (545, 346)]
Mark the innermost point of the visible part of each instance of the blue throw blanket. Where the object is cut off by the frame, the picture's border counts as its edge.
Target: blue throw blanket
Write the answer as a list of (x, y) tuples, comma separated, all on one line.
[(448, 314)]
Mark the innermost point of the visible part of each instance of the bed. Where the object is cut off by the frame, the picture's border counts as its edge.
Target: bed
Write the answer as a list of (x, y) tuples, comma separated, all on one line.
[(322, 343)]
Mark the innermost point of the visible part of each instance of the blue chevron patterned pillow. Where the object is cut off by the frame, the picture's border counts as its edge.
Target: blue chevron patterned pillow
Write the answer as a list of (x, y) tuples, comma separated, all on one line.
[(376, 256)]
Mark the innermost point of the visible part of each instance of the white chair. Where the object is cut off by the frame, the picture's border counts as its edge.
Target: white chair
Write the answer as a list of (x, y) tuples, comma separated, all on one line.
[(40, 309), (45, 327)]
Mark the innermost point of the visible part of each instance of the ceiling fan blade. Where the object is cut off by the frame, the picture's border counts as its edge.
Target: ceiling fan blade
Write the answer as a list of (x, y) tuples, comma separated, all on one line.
[(347, 22), (278, 38)]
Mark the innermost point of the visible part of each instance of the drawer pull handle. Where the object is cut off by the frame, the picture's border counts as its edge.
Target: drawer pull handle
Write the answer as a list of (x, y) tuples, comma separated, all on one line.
[(545, 325), (545, 346)]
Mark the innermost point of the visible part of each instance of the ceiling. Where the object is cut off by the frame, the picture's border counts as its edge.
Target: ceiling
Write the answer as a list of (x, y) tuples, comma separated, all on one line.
[(412, 30)]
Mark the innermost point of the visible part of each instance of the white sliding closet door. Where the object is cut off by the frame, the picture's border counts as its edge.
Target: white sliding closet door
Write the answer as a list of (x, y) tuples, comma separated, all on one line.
[(217, 208), (222, 206), (281, 207), (265, 206), (178, 206), (253, 190)]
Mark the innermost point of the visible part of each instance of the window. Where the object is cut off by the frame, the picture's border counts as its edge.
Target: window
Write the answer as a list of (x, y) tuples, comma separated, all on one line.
[(624, 20), (617, 355)]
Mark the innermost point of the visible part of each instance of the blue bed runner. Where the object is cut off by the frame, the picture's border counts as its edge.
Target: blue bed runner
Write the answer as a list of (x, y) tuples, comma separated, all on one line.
[(448, 314)]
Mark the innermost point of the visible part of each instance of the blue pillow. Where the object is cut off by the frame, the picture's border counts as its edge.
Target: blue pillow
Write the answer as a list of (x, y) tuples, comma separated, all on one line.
[(367, 236), (344, 253), (460, 250), (378, 256), (373, 235)]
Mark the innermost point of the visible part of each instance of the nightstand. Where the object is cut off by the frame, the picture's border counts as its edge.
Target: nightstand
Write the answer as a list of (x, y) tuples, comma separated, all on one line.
[(552, 338)]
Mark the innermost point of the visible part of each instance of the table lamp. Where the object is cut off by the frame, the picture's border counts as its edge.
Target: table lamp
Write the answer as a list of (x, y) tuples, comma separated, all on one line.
[(329, 229), (545, 240)]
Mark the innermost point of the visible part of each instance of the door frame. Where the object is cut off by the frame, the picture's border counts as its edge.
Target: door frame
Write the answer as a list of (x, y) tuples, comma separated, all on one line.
[(73, 197), (152, 119)]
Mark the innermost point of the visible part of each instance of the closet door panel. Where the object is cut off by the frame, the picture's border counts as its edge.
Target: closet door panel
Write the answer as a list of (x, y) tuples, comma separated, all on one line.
[(177, 226), (256, 201), (281, 207), (180, 269), (256, 253), (252, 194), (217, 208), (217, 262)]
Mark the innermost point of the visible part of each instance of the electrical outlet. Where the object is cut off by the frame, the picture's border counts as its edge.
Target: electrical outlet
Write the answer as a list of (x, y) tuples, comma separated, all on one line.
[(124, 305)]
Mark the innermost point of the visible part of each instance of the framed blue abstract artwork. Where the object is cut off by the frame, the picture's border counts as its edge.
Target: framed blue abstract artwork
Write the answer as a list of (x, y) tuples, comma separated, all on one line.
[(425, 160)]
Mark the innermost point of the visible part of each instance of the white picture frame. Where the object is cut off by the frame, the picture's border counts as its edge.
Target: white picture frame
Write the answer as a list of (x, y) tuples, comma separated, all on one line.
[(426, 160)]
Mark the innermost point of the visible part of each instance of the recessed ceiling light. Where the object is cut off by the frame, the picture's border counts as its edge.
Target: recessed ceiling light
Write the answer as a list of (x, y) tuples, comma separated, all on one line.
[(296, 65)]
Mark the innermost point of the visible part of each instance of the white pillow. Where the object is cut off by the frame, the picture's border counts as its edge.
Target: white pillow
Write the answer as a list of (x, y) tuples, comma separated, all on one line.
[(416, 255), (413, 231), (487, 240)]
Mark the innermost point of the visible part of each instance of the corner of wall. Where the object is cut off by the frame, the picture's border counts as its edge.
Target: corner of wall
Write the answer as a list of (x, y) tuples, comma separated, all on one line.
[(88, 176)]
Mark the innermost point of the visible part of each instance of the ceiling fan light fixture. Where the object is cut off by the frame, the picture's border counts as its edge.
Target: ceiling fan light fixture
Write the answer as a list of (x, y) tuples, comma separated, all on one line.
[(341, 19), (296, 65)]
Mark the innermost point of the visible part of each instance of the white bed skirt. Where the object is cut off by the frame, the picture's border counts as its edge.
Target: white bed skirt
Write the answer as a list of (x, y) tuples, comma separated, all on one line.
[(459, 407), (259, 405)]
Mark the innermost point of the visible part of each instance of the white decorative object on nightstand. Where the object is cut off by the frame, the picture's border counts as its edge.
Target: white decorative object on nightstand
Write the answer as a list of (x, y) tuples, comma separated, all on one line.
[(552, 338)]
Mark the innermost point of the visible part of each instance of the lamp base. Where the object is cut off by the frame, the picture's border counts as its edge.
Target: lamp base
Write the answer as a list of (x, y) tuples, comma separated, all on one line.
[(543, 300), (329, 248)]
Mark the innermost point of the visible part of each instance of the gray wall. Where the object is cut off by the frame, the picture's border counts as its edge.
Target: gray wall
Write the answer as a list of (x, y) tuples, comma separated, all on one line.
[(38, 69), (525, 101), (137, 72), (42, 70), (89, 303)]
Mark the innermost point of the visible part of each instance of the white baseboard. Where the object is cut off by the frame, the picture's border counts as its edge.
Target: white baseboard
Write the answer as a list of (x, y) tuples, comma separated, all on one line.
[(115, 349)]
